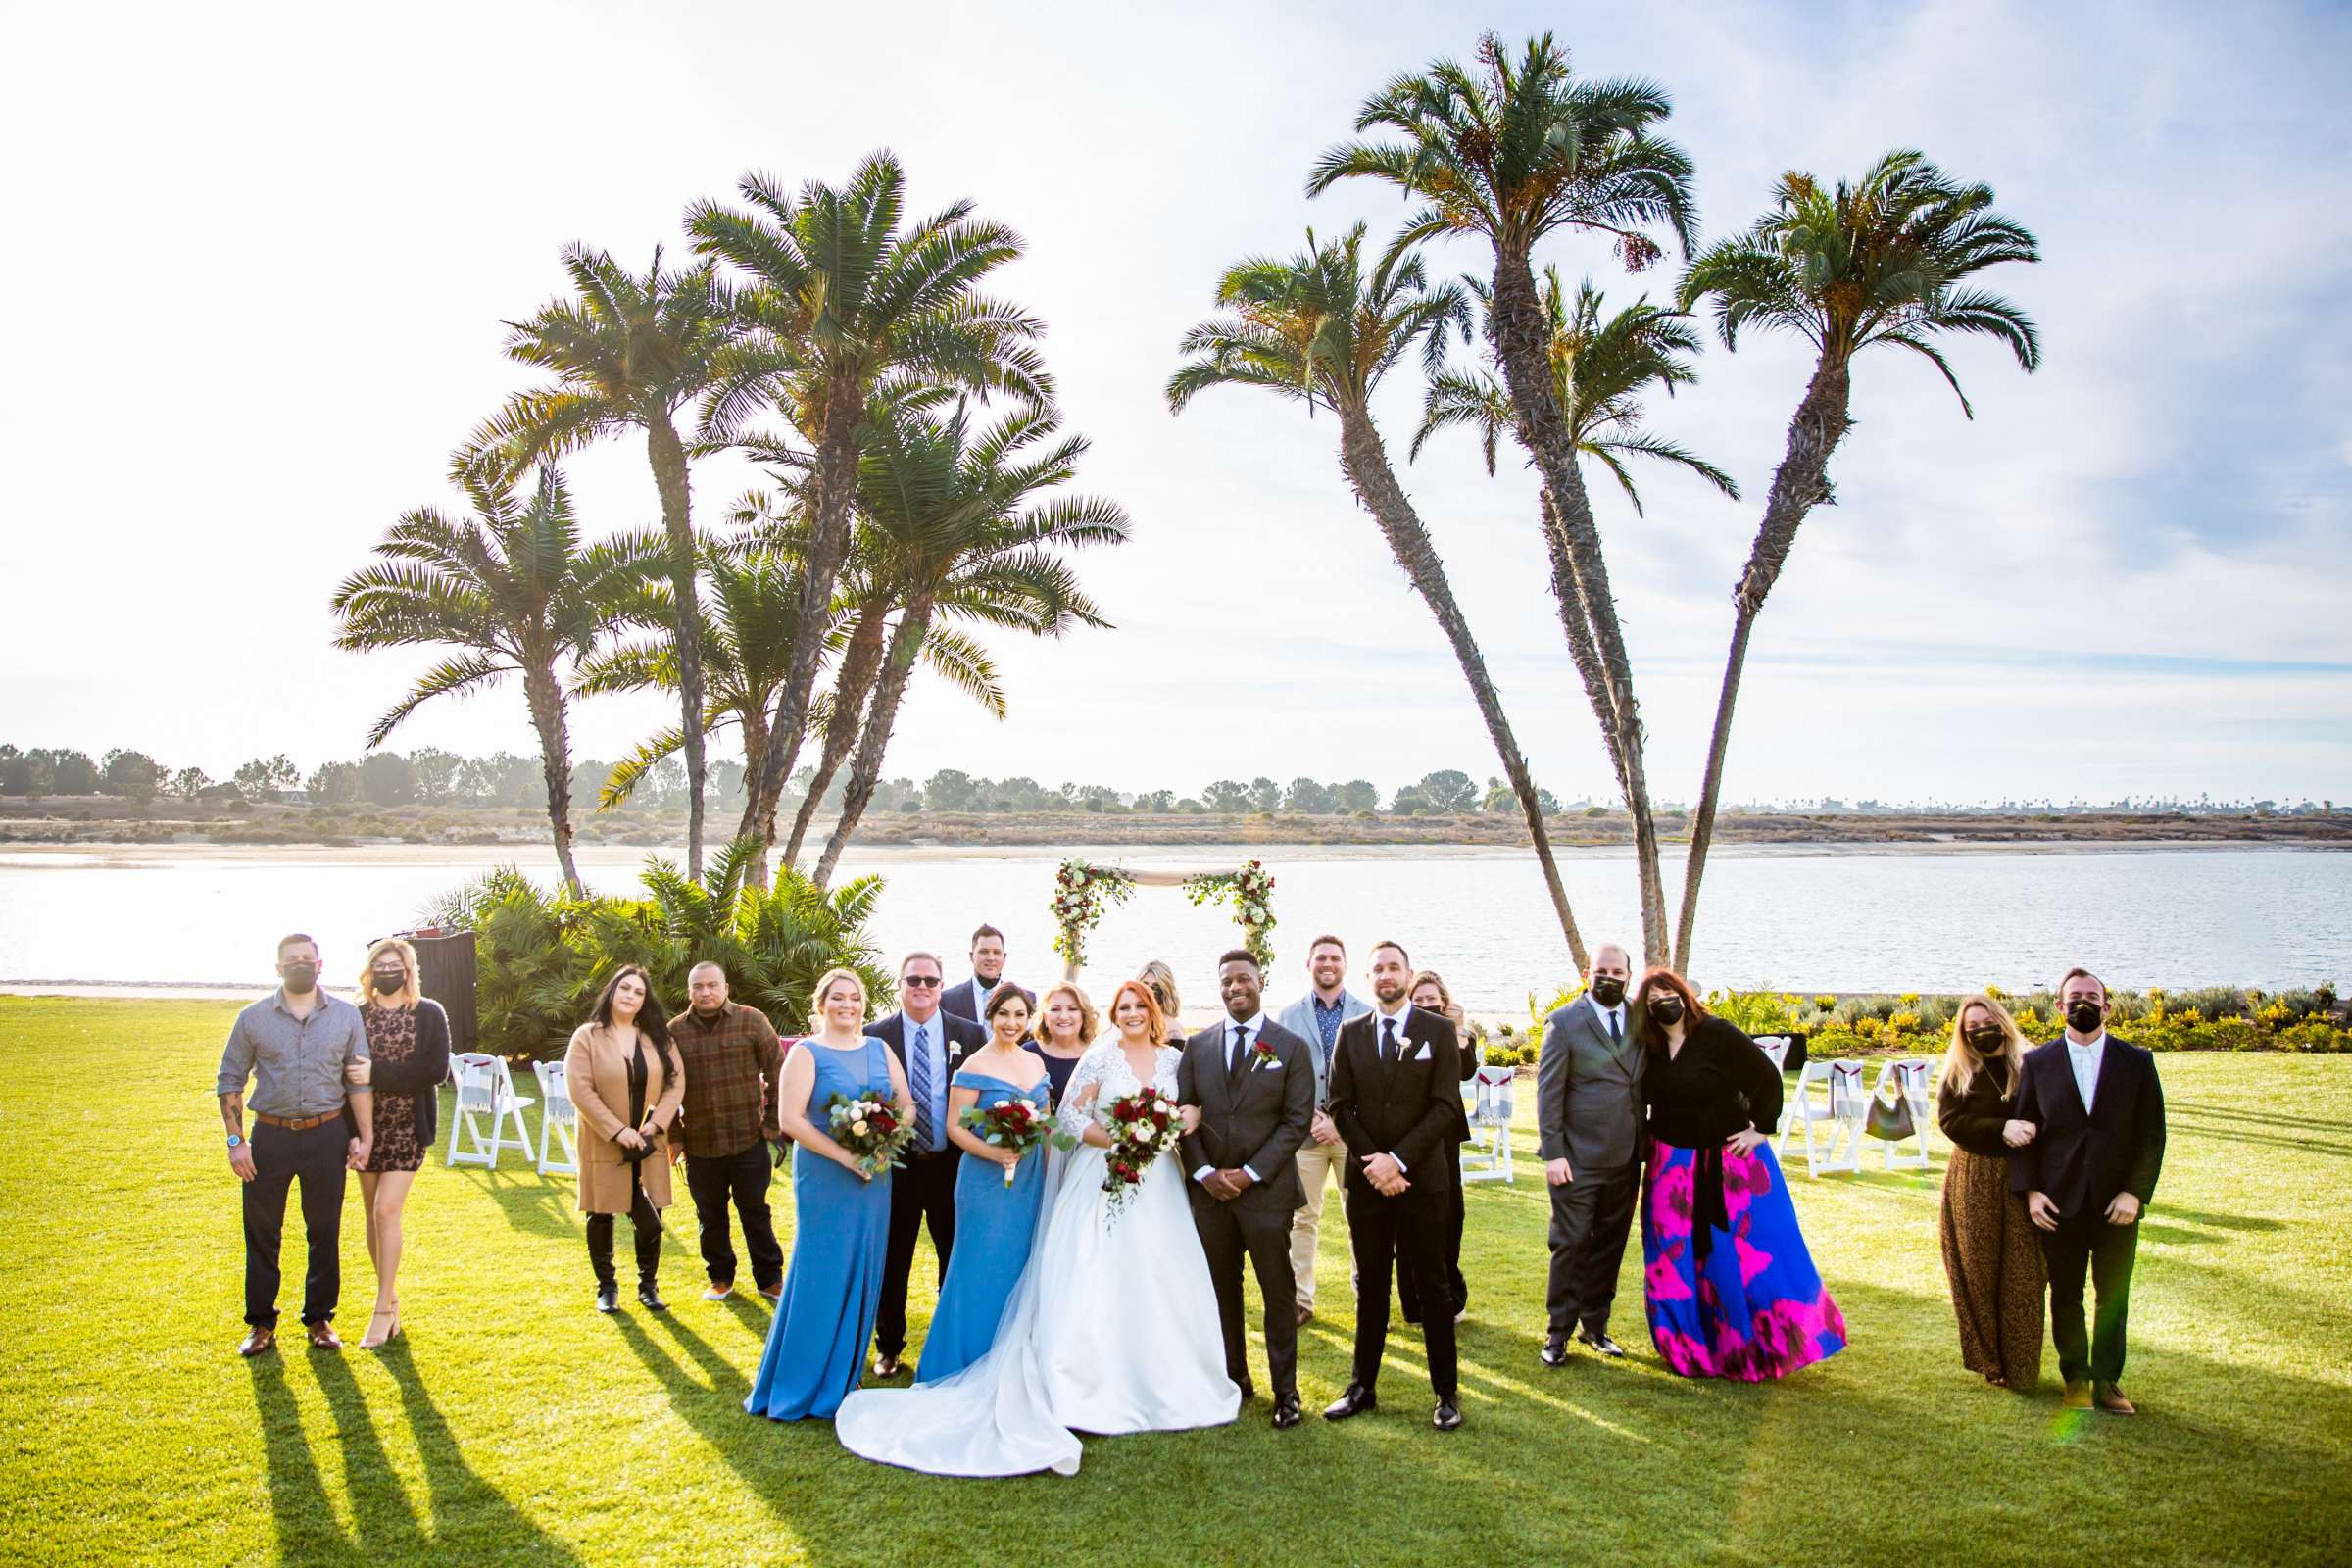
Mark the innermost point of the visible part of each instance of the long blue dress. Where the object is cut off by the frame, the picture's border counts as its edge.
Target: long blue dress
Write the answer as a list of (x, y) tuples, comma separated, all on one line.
[(995, 1224), (841, 1228)]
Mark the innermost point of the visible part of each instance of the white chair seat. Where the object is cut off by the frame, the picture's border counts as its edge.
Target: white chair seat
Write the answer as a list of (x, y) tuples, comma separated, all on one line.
[(1489, 1101), (1837, 1115), (1908, 1078), (558, 1120), (485, 1098)]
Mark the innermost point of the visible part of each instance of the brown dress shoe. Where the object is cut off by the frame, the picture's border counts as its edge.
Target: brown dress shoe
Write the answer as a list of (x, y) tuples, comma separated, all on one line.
[(2110, 1399), (2078, 1394), (323, 1336), (1306, 1314), (256, 1342)]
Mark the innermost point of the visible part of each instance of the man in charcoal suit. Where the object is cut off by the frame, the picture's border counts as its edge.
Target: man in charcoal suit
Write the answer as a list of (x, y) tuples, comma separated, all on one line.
[(2097, 1110), (1255, 1084), (1589, 1125), (966, 997)]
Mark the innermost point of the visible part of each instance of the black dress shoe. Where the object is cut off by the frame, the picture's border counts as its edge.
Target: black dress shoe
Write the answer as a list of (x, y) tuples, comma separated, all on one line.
[(1356, 1401), (1287, 1413), (1603, 1343), (1556, 1349), (1449, 1416), (649, 1296), (1248, 1392), (608, 1298)]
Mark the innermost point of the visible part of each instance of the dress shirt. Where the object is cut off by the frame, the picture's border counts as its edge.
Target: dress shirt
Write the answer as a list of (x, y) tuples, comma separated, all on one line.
[(1327, 1024), (296, 1063), (1381, 1018), (1254, 1028), (2086, 1060), (1612, 1019)]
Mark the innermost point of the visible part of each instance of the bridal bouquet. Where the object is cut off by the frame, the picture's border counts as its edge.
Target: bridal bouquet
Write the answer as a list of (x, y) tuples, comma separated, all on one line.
[(1143, 1126), (1012, 1124), (869, 1129)]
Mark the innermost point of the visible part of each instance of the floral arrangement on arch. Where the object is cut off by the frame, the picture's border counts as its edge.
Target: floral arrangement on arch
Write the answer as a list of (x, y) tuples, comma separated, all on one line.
[(1250, 891), (1081, 891)]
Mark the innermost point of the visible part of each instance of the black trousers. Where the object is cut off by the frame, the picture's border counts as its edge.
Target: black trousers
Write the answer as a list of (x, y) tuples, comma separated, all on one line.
[(742, 1178), (1408, 1294), (314, 1157), (1407, 1233), (1591, 1218), (2088, 1244), (646, 1220), (1229, 1233), (923, 1192)]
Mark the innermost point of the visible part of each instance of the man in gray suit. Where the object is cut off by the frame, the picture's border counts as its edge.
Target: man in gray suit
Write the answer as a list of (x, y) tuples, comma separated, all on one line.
[(1589, 1119), (1317, 1019)]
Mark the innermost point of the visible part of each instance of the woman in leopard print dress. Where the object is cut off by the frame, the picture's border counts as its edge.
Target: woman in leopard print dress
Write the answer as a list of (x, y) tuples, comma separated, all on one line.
[(407, 1050)]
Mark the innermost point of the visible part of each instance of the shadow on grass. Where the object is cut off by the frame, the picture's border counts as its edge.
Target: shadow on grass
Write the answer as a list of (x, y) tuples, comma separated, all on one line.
[(530, 1202), (471, 1516), (2226, 1222), (299, 1510), (2268, 1118)]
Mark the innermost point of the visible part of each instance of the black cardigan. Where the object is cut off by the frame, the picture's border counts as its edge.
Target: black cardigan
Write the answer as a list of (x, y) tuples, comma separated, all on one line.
[(1974, 1120), (419, 1077), (1719, 1082)]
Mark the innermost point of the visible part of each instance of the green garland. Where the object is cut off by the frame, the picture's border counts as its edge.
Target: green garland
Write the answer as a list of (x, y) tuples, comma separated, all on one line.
[(1250, 891), (1080, 894)]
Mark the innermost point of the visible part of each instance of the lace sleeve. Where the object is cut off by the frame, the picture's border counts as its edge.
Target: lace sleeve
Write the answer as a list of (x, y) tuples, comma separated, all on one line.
[(1077, 1102)]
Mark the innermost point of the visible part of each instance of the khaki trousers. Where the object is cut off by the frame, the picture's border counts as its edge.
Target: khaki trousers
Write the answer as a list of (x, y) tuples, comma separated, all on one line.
[(1318, 1163)]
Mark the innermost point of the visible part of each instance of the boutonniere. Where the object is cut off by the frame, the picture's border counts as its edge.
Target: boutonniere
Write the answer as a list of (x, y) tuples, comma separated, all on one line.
[(1264, 1054)]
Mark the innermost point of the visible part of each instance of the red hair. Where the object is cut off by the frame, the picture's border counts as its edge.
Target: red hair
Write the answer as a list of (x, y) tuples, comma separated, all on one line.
[(1154, 1019), (1653, 1034)]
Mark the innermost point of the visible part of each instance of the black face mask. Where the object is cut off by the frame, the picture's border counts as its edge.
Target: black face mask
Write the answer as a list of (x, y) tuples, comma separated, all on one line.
[(1667, 1010), (1984, 1041), (299, 978), (1608, 992), (387, 981), (2085, 1016)]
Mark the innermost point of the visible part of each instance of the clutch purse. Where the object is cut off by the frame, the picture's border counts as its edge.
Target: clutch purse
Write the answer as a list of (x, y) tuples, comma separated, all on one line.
[(637, 1155)]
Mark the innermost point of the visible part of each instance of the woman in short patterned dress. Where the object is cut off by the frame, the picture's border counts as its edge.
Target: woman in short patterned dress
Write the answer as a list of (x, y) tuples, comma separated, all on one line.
[(407, 1050), (1991, 1255), (1731, 1290)]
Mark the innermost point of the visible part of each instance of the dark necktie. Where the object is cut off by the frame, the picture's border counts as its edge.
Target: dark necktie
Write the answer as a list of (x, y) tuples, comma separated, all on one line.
[(1388, 1042), (1241, 1051), (1616, 1032)]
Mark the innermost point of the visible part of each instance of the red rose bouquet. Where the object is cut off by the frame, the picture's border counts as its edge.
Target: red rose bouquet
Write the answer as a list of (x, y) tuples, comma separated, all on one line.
[(1143, 1126), (1014, 1124), (869, 1129)]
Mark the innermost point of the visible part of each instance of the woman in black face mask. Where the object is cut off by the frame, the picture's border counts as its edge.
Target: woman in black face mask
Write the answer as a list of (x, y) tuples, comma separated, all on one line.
[(1730, 1287), (408, 1047), (1991, 1253)]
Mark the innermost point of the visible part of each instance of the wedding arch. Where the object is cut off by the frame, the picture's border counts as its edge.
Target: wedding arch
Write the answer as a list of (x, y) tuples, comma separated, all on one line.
[(1083, 889)]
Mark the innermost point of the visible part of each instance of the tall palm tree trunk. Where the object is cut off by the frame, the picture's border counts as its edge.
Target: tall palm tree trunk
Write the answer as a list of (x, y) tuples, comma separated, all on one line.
[(1365, 459), (835, 497), (668, 455), (1801, 484), (1521, 332), (546, 699), (906, 644), (850, 691)]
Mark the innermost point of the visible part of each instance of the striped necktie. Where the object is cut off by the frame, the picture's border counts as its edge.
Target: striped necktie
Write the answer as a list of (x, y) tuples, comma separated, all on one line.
[(918, 1077)]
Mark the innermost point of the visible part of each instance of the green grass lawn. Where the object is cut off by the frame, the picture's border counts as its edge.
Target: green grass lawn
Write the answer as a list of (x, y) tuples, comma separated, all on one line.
[(513, 1424)]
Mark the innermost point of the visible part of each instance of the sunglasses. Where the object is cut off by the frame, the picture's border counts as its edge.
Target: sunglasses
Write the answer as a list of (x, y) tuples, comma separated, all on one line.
[(919, 981)]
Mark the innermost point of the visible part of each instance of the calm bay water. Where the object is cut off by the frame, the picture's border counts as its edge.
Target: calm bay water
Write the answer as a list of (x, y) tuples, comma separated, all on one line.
[(1809, 920)]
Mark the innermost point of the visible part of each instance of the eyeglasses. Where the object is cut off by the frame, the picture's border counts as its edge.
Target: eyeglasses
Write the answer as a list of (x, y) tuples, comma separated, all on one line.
[(919, 981)]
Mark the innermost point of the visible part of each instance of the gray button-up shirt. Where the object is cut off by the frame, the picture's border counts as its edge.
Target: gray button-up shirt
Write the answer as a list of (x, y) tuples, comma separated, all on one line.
[(296, 1063)]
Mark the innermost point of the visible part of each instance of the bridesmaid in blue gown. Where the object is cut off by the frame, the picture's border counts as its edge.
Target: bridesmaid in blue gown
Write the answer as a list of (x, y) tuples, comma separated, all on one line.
[(841, 1217), (994, 1221)]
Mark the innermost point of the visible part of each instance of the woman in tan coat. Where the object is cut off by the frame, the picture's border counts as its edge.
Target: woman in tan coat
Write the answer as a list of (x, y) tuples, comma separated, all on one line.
[(625, 1081)]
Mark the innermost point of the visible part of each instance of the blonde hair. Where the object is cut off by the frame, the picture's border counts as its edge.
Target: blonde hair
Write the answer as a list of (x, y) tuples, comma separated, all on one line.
[(1162, 983), (1154, 1020), (824, 984), (408, 995), (1089, 1021), (1961, 1059)]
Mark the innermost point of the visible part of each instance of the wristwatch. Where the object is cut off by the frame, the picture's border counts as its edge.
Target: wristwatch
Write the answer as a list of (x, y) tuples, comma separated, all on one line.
[(236, 1140)]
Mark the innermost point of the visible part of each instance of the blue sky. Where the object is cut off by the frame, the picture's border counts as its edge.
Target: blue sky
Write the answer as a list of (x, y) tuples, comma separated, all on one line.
[(272, 247)]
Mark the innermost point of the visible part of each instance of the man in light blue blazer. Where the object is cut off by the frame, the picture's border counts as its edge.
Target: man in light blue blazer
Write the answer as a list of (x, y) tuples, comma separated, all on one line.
[(1317, 1019)]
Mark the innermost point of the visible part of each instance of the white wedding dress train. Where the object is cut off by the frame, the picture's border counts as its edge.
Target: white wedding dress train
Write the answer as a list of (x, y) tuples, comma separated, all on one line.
[(1112, 1328)]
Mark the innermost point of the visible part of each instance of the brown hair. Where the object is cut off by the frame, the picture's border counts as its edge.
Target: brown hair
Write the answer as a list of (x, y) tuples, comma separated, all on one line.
[(1088, 1020), (1320, 940), (2078, 972), (1446, 1007), (1162, 983), (1006, 991), (1653, 1033), (1154, 1020), (1398, 945), (292, 937), (986, 931)]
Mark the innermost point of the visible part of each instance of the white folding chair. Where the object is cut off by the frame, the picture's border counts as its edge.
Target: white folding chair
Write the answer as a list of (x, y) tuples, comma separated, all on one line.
[(558, 1120), (1841, 1109), (1908, 1076), (485, 1090), (1489, 1102), (1777, 1048)]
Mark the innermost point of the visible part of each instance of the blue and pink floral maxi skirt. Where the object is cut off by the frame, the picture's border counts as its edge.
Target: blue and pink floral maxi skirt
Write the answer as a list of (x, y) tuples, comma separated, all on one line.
[(1754, 1308)]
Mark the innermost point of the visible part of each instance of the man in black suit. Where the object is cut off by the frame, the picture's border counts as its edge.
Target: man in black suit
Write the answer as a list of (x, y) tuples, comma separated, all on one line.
[(1255, 1084), (928, 1042), (1396, 1088), (965, 997), (2097, 1112), (1589, 1127)]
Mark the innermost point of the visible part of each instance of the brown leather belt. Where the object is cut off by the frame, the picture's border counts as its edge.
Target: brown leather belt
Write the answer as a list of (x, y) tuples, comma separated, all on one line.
[(293, 1124)]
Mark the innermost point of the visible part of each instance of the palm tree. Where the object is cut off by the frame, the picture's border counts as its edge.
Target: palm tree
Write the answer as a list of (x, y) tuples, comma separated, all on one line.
[(839, 302), (512, 587), (1513, 153), (963, 516), (1314, 327), (1875, 263), (628, 353)]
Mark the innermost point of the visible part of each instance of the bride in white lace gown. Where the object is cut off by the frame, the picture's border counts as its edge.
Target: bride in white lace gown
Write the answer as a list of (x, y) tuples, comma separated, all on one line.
[(1112, 1328)]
